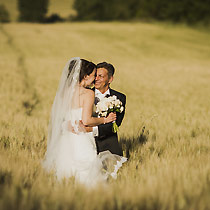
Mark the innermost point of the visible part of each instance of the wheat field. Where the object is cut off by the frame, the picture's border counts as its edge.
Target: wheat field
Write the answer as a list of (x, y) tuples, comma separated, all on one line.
[(163, 69)]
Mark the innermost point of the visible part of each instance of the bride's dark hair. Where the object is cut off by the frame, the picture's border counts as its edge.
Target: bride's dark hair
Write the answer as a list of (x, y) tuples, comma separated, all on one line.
[(87, 68)]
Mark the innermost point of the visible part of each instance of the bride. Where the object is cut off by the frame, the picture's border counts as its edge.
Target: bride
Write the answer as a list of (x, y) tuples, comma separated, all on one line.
[(71, 151)]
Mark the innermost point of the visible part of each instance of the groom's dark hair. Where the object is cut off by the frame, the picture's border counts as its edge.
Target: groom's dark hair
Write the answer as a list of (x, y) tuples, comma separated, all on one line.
[(108, 66)]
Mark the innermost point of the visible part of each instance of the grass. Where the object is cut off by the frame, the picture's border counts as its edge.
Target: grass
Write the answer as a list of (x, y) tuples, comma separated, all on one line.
[(163, 69)]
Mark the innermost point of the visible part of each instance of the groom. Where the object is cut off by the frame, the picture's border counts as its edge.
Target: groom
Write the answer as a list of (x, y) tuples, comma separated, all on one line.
[(105, 138)]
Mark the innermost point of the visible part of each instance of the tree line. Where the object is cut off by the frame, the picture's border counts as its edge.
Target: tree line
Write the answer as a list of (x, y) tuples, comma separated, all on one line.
[(190, 11)]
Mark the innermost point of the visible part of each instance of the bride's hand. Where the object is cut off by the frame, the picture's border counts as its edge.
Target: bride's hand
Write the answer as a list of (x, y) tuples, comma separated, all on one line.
[(111, 117)]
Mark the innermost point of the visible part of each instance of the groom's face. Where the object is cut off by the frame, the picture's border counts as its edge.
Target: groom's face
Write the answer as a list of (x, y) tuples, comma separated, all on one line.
[(102, 79)]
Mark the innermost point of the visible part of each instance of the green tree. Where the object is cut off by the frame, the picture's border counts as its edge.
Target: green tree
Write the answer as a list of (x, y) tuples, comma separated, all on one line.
[(105, 10), (189, 11), (4, 14), (32, 10)]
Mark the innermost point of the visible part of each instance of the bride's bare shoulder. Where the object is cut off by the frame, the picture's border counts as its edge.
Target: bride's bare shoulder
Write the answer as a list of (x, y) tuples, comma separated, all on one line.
[(87, 92)]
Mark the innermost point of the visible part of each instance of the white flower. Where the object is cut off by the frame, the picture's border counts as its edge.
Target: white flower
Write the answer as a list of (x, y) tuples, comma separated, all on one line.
[(121, 109), (102, 106), (105, 106), (117, 102), (114, 97), (103, 114)]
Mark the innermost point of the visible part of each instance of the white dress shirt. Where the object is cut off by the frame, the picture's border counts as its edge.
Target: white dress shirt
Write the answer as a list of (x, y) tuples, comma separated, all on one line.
[(100, 96)]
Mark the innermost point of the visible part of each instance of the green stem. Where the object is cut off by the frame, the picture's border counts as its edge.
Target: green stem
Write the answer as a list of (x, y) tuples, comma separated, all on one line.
[(115, 128)]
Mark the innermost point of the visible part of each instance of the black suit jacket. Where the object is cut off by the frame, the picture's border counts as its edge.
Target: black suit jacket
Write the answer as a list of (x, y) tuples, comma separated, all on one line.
[(107, 139)]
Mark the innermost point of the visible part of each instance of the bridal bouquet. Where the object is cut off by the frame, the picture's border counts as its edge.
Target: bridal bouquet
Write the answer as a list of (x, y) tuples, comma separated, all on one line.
[(108, 105)]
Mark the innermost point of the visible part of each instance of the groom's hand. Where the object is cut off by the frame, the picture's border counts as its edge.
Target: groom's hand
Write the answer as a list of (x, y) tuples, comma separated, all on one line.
[(83, 128)]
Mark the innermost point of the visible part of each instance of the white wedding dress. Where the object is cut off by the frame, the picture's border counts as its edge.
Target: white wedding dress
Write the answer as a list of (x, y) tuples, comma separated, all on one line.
[(74, 154), (77, 156)]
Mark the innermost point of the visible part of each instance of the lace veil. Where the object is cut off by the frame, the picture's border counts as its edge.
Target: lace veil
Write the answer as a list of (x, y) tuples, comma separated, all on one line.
[(65, 100)]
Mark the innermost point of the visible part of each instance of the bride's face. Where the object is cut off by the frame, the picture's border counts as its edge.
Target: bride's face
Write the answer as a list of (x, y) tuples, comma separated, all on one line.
[(90, 78)]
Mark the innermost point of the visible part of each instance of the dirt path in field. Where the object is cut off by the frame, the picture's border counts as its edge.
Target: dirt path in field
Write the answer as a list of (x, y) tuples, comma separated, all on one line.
[(32, 99)]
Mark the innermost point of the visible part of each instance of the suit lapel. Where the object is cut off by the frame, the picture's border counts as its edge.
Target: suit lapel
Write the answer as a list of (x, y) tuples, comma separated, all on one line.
[(111, 92)]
